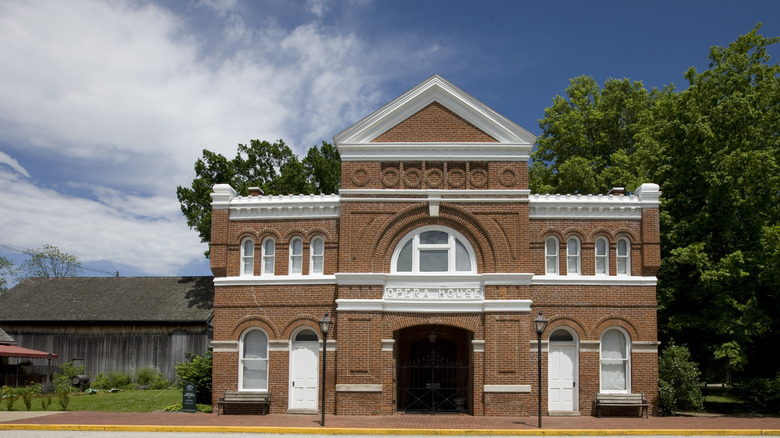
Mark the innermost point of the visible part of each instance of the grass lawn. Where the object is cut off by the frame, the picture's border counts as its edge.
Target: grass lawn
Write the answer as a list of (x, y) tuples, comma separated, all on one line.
[(123, 401)]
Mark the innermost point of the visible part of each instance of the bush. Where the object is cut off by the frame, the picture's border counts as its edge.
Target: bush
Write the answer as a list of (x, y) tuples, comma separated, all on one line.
[(46, 402), (198, 372), (178, 406), (67, 372), (27, 394), (10, 395), (149, 378), (759, 395), (678, 381), (63, 394)]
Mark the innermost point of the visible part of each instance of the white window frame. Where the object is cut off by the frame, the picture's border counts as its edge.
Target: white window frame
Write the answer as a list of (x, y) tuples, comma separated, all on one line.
[(314, 256), (626, 360), (247, 258), (296, 256), (601, 257), (623, 257), (550, 257), (573, 259), (268, 258), (242, 360), (451, 247)]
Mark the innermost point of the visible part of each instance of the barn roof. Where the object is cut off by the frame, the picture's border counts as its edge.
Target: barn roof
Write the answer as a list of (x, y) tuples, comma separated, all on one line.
[(5, 338), (109, 299)]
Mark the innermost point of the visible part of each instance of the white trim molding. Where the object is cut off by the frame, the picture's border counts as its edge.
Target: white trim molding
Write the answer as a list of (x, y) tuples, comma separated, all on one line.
[(478, 346), (593, 280), (645, 346), (388, 344), (224, 346), (278, 345), (346, 387), (507, 388), (274, 280), (427, 306)]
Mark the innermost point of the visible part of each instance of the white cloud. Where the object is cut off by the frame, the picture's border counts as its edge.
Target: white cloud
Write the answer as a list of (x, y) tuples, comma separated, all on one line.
[(133, 92), (6, 159)]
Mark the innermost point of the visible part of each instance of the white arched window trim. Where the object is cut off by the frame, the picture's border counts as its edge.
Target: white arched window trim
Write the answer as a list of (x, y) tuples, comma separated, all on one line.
[(614, 366), (253, 362), (573, 251), (623, 256), (551, 261), (317, 256), (269, 256), (248, 256), (296, 256), (456, 244), (601, 256)]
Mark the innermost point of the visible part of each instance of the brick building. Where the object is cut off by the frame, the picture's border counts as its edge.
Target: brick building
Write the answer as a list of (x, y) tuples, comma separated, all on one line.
[(433, 261)]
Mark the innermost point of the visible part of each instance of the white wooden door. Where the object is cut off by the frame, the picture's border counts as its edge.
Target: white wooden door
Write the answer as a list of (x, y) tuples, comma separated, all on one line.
[(304, 367), (562, 367)]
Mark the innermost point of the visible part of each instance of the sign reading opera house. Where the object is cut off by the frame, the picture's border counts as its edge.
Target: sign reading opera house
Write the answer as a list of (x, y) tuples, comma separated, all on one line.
[(433, 261)]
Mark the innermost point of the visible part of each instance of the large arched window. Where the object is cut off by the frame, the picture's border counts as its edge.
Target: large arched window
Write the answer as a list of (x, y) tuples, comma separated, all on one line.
[(247, 256), (623, 255), (602, 256), (434, 250), (269, 256), (317, 255), (253, 369), (551, 256), (573, 256), (296, 256), (615, 363)]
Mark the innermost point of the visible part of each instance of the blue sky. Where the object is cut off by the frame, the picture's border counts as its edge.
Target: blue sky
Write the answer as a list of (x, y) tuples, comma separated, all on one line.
[(106, 105)]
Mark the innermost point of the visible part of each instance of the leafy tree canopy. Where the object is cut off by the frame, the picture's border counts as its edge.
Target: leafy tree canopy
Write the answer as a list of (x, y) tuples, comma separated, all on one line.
[(271, 166), (6, 268), (48, 261)]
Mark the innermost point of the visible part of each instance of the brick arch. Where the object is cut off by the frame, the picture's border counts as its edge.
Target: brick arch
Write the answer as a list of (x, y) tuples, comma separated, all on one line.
[(576, 232), (268, 232), (568, 321), (601, 232), (608, 321), (551, 231), (243, 234), (254, 321), (400, 321), (319, 232), (301, 320), (450, 216), (625, 232), (295, 232)]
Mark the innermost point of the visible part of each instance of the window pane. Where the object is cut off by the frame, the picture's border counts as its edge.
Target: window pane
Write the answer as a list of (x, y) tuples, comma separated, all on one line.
[(255, 345), (255, 374), (269, 265), (622, 265), (306, 335), (433, 260), (613, 345), (601, 265), (613, 375), (601, 247), (249, 248), (622, 247), (269, 247), (297, 264), (317, 245), (573, 247), (551, 247), (434, 238), (316, 264), (297, 247), (561, 336), (405, 258), (462, 260)]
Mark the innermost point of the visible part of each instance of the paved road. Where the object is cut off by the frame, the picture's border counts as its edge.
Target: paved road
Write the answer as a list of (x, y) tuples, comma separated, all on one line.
[(83, 434)]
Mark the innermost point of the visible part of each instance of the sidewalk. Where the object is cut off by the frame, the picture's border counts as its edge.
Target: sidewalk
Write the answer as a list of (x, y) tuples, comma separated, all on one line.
[(390, 425)]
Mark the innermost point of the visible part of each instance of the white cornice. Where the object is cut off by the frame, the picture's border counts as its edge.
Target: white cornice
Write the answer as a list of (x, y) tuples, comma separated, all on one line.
[(434, 89), (426, 195), (381, 305), (595, 206), (274, 280), (426, 151), (284, 207), (592, 280)]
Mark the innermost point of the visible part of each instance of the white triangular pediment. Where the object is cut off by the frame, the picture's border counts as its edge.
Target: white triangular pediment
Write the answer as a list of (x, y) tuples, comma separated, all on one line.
[(356, 143)]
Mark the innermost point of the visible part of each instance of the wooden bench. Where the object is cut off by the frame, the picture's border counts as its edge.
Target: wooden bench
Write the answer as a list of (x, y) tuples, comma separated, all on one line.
[(624, 400), (244, 397)]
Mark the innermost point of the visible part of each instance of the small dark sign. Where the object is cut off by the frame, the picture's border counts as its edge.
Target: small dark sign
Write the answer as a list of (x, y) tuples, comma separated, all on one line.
[(188, 398)]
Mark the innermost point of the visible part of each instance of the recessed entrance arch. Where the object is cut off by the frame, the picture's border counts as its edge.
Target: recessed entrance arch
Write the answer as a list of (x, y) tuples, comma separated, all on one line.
[(434, 369)]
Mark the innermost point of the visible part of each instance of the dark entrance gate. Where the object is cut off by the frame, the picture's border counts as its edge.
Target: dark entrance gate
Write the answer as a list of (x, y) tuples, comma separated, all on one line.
[(434, 376)]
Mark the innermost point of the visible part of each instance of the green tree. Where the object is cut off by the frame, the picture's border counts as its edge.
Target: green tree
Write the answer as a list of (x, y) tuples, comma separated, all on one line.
[(271, 166), (717, 161), (48, 261), (587, 144), (197, 371), (6, 269)]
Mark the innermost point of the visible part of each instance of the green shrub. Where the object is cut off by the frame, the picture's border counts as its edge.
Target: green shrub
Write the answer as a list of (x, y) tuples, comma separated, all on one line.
[(63, 394), (759, 395), (197, 370), (149, 378), (10, 395), (67, 372), (678, 381), (46, 402), (27, 394), (200, 407), (119, 379)]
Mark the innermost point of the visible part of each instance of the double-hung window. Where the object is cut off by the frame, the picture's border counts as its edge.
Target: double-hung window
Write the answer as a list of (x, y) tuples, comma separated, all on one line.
[(317, 255), (253, 372), (573, 256), (551, 256), (602, 256), (247, 256), (269, 254), (296, 256), (623, 257)]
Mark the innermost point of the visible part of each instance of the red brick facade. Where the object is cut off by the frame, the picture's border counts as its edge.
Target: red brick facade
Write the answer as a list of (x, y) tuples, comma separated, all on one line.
[(436, 164)]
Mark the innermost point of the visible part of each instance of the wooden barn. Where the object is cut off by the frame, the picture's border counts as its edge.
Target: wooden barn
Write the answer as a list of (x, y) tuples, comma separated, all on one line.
[(110, 323)]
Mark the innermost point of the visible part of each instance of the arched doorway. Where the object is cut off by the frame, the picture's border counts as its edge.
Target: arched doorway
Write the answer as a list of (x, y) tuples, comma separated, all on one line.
[(562, 371), (434, 369), (304, 372)]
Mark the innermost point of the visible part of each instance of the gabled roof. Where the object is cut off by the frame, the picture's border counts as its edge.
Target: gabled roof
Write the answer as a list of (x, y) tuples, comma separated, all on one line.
[(109, 299), (5, 339), (506, 134)]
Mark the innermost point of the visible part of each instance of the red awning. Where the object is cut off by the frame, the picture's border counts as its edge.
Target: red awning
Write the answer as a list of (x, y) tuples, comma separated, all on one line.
[(14, 351)]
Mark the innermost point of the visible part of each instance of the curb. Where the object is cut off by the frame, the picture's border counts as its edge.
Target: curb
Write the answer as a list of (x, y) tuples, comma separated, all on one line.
[(359, 431)]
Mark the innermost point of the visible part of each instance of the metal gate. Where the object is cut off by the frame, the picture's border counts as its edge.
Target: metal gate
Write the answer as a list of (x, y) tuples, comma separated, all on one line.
[(433, 384)]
